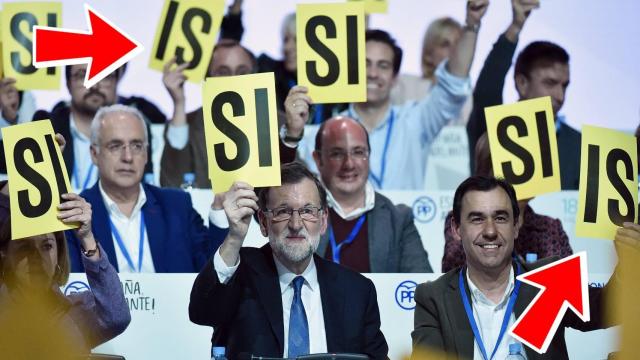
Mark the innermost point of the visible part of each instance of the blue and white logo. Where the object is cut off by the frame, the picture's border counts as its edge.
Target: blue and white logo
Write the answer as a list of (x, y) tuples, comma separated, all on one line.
[(424, 209), (76, 287), (405, 293)]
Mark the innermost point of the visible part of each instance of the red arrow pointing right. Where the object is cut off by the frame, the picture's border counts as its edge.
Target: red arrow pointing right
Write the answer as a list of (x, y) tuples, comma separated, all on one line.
[(563, 285)]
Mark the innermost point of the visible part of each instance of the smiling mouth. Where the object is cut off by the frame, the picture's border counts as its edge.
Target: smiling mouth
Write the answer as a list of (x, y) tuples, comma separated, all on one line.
[(489, 246)]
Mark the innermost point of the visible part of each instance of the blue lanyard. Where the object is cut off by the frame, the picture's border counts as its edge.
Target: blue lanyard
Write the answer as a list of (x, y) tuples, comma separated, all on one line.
[(379, 180), (86, 179), (123, 249), (335, 248), (472, 320)]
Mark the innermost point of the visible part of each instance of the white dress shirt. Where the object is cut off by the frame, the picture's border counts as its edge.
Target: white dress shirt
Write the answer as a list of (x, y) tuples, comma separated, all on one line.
[(83, 166), (310, 299), (489, 316), (369, 203), (129, 230)]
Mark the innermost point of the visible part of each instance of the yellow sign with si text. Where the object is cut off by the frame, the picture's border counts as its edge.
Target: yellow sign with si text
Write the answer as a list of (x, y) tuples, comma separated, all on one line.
[(18, 19), (608, 192), (188, 30), (240, 123), (37, 178), (375, 6), (331, 51), (524, 149)]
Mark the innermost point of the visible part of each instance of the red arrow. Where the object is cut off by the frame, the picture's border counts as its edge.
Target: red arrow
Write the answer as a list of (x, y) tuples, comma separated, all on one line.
[(563, 285), (104, 47)]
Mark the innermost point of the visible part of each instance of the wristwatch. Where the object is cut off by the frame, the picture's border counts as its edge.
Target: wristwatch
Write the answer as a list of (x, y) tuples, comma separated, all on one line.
[(288, 138), (90, 252)]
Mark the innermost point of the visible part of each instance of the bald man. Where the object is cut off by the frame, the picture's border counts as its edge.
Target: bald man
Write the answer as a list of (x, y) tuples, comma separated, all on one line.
[(366, 232)]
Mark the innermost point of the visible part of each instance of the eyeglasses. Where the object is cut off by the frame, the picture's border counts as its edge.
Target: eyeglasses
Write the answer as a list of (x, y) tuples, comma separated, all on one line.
[(341, 155), (309, 213), (117, 148), (79, 76)]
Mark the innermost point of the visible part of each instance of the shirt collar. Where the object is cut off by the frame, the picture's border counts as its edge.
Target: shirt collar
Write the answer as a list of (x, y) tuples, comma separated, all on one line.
[(478, 296), (112, 207), (75, 133), (285, 276), (351, 112), (369, 202), (559, 121)]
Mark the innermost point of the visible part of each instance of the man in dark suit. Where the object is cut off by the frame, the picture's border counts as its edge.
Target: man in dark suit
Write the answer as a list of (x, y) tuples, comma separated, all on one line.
[(141, 227), (367, 232), (485, 214), (542, 69), (282, 300)]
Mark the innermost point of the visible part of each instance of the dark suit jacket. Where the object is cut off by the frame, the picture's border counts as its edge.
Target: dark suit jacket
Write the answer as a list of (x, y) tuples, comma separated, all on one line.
[(441, 323), (247, 312), (178, 239), (60, 120), (394, 242)]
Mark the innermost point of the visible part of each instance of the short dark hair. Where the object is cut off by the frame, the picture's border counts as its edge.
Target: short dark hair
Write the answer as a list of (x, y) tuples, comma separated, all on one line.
[(483, 183), (293, 173), (539, 54), (318, 144), (230, 43), (384, 37)]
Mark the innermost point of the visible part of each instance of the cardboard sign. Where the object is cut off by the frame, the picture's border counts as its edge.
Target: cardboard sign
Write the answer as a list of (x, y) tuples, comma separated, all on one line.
[(18, 20), (608, 192), (375, 6), (524, 149), (241, 129), (188, 29), (331, 51), (37, 177)]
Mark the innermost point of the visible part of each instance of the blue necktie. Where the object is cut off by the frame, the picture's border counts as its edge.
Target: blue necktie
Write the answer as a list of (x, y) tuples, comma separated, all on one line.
[(298, 326)]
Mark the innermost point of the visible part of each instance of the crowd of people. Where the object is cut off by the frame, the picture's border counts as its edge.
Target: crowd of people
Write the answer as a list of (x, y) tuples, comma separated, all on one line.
[(302, 292)]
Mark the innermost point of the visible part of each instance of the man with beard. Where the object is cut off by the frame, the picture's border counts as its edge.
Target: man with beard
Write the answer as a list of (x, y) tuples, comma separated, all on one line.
[(73, 121), (281, 300)]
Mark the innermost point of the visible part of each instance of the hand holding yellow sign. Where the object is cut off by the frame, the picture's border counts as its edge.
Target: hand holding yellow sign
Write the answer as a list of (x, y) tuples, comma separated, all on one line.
[(331, 53), (37, 178), (188, 30), (18, 19), (375, 6), (524, 149), (608, 193), (240, 123)]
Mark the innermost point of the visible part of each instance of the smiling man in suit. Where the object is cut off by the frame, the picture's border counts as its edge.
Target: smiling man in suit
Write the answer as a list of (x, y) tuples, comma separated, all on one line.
[(143, 228), (282, 300)]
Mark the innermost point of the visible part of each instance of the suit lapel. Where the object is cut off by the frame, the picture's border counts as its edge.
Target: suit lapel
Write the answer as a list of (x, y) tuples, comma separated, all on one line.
[(332, 296), (464, 339), (100, 222), (267, 285), (526, 295), (380, 228), (156, 231)]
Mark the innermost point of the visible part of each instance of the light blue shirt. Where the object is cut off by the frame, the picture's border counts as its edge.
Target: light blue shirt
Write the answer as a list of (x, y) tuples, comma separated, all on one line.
[(84, 171), (415, 125)]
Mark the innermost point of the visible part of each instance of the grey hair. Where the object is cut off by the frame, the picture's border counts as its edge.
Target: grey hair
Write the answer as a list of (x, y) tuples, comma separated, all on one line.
[(96, 123), (288, 24)]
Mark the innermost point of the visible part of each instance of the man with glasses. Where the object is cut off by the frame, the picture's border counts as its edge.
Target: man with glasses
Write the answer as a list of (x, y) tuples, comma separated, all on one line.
[(142, 228), (367, 232), (73, 121), (282, 300)]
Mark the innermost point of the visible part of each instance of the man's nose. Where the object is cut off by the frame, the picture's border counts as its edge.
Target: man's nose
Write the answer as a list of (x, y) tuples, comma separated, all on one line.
[(489, 230), (295, 222)]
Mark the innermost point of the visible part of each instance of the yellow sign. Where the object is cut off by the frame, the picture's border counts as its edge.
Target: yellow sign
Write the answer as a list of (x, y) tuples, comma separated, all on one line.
[(608, 192), (18, 19), (524, 150), (375, 6), (330, 51), (240, 123), (37, 177), (188, 30)]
